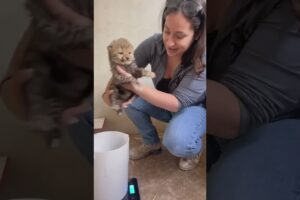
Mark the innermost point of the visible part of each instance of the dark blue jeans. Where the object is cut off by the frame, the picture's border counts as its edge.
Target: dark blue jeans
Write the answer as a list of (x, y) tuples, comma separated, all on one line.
[(261, 165), (184, 132)]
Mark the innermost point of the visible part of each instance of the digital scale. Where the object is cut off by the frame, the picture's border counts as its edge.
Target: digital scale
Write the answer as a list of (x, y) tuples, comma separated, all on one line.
[(133, 190)]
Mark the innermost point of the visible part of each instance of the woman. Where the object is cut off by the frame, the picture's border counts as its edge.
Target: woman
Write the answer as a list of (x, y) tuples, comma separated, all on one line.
[(177, 56)]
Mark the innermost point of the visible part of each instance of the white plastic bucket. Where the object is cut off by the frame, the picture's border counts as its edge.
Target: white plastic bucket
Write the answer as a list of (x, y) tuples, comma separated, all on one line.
[(111, 156)]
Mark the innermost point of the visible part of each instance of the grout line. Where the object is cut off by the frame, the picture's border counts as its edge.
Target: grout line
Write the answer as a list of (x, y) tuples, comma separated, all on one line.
[(155, 196), (164, 183)]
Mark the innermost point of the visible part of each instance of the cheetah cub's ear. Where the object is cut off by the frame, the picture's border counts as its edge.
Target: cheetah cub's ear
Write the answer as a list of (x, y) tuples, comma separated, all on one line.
[(109, 48)]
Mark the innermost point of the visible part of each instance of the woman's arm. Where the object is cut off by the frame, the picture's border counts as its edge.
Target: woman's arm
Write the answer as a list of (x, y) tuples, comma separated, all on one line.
[(160, 99)]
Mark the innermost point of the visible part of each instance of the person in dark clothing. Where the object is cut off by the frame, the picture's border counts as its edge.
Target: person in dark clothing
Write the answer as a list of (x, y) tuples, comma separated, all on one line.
[(256, 48), (254, 65)]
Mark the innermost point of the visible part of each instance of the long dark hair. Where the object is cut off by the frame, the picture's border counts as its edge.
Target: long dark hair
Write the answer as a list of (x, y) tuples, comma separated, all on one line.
[(195, 11)]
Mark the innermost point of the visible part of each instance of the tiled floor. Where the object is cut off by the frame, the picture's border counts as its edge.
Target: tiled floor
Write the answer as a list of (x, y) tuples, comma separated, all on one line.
[(159, 177)]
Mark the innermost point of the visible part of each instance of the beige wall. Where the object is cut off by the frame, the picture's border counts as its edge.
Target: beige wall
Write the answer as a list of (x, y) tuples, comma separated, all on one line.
[(133, 19)]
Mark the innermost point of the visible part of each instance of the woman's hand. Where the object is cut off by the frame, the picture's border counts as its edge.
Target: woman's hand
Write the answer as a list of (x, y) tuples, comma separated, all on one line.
[(127, 103), (158, 98), (133, 86), (106, 97)]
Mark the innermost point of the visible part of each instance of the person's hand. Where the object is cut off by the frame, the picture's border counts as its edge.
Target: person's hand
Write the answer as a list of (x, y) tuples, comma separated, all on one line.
[(133, 86), (106, 97), (127, 103)]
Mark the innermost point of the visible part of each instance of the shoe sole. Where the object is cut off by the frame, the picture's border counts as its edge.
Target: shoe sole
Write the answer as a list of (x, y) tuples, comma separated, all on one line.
[(187, 169)]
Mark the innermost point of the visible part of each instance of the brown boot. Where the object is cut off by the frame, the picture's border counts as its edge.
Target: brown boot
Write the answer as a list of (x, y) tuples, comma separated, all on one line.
[(144, 150)]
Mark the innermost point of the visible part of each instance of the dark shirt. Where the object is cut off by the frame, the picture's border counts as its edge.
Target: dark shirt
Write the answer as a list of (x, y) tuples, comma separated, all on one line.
[(266, 74), (163, 85)]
